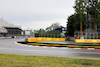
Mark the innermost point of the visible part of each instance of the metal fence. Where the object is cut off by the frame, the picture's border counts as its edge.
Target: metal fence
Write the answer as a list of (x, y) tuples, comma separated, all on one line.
[(50, 35), (88, 35)]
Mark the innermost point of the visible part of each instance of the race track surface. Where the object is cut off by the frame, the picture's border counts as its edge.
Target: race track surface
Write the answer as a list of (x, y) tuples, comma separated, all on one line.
[(8, 46)]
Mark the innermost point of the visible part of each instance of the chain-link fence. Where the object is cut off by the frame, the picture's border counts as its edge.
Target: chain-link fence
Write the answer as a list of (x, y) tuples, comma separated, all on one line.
[(50, 35), (87, 35)]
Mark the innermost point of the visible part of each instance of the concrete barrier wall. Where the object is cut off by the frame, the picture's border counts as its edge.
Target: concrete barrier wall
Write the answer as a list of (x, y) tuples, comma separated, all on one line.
[(7, 37), (45, 39)]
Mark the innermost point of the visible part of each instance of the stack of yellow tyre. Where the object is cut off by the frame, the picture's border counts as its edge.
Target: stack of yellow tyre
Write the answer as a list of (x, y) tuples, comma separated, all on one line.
[(45, 39)]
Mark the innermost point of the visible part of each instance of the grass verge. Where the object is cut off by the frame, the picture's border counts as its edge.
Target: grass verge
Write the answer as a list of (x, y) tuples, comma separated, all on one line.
[(11, 60)]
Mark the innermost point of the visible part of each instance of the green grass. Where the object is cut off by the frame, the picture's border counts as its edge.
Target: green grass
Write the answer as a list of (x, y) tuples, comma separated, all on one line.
[(11, 60)]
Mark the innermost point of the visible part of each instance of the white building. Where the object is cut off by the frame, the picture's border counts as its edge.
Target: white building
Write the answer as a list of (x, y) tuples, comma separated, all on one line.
[(27, 32), (8, 29)]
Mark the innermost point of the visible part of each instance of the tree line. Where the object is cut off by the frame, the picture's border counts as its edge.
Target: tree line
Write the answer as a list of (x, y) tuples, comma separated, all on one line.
[(85, 11), (48, 29)]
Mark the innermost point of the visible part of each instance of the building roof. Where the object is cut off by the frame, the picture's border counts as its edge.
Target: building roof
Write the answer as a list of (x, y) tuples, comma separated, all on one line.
[(4, 23), (3, 30)]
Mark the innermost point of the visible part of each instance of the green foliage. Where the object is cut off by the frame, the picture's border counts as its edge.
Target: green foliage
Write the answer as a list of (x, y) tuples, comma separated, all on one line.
[(53, 26), (90, 7), (36, 34), (98, 19), (83, 9), (98, 7), (93, 9), (53, 32), (79, 8), (40, 31), (98, 14), (73, 24)]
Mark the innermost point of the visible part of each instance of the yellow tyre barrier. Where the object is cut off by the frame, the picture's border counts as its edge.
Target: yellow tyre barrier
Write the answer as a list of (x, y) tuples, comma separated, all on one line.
[(87, 40), (45, 39), (29, 40)]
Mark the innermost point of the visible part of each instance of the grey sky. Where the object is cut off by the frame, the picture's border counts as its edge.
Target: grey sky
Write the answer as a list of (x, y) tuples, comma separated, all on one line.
[(35, 14)]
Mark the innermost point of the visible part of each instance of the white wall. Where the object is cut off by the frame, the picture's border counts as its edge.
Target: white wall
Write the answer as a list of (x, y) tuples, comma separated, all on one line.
[(27, 32)]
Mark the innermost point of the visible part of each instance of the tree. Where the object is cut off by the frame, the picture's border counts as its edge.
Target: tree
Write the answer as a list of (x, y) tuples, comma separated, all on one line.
[(98, 14), (73, 24), (53, 26), (89, 9), (93, 9), (80, 8), (98, 6), (40, 31)]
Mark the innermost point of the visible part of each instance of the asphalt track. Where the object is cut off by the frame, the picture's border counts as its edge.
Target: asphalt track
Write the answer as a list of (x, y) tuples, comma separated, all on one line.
[(8, 46)]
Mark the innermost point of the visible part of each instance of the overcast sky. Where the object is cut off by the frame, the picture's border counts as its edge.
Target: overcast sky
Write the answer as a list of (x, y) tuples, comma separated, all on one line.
[(36, 14)]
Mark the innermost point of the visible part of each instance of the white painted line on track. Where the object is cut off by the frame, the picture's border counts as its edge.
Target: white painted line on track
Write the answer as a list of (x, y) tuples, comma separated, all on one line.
[(77, 48), (90, 48)]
